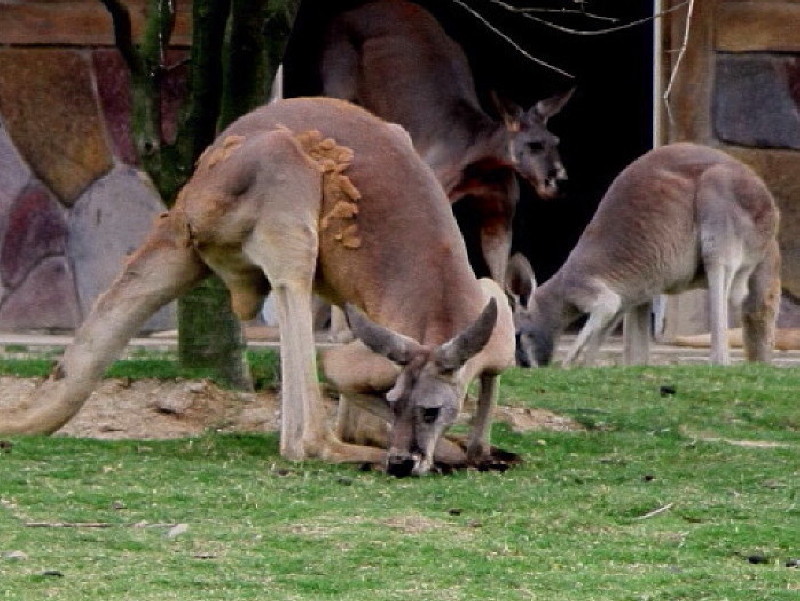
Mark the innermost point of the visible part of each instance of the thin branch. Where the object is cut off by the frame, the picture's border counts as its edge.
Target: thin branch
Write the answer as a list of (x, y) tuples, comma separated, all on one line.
[(655, 512), (673, 76), (68, 525), (525, 13), (516, 46), (123, 35), (566, 11), (166, 9)]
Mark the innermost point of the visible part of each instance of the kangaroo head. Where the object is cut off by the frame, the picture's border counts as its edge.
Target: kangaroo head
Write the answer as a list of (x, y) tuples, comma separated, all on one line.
[(428, 393), (537, 323), (532, 147), (535, 339)]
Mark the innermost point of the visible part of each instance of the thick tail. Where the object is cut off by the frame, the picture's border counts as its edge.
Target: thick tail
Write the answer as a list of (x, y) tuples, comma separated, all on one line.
[(162, 269), (760, 307)]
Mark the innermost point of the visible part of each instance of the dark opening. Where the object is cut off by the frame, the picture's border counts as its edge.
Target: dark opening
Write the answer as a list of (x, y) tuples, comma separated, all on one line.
[(606, 124)]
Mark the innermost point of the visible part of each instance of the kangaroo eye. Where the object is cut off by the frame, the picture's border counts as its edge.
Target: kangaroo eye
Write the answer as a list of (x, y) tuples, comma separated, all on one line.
[(535, 146), (429, 414)]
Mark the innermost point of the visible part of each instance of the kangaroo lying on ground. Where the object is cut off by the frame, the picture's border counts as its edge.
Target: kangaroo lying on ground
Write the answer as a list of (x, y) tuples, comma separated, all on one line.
[(317, 194), (679, 217)]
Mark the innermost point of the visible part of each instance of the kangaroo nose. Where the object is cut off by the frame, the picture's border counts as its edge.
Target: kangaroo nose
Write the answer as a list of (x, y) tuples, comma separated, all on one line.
[(521, 353), (400, 465)]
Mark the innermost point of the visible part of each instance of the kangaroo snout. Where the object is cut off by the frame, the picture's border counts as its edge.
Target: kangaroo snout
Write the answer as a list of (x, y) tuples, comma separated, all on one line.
[(401, 464)]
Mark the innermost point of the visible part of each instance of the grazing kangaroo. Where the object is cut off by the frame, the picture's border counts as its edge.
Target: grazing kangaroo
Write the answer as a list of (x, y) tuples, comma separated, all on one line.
[(679, 217), (393, 58), (317, 194)]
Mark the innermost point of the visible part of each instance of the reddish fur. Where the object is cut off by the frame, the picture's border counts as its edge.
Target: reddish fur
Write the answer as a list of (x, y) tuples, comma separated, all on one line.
[(252, 213)]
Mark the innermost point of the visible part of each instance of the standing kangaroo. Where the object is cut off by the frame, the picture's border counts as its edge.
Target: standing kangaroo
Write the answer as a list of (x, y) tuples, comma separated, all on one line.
[(679, 217), (317, 194), (393, 58)]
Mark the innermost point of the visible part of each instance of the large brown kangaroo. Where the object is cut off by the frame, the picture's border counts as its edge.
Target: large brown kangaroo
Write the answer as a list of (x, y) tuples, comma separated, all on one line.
[(351, 213), (679, 217), (393, 58)]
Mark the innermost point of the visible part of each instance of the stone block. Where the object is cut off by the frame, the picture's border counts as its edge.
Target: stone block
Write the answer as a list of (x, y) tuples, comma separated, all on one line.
[(14, 173), (80, 22), (48, 105), (44, 301), (35, 229), (113, 87), (780, 169), (753, 103), (757, 26), (107, 223)]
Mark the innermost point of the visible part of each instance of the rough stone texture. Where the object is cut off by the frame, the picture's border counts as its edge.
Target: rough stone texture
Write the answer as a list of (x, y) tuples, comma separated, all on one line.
[(173, 93), (753, 104), (781, 171), (14, 173), (46, 300), (71, 207), (107, 224), (47, 102), (113, 86), (79, 22), (113, 90), (35, 229), (758, 26)]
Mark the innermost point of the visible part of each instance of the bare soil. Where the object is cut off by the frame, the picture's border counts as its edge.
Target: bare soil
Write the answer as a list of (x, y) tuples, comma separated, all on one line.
[(157, 409)]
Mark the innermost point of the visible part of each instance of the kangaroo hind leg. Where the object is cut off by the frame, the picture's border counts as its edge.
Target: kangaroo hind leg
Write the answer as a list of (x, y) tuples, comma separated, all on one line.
[(285, 245), (721, 249), (760, 307), (636, 334)]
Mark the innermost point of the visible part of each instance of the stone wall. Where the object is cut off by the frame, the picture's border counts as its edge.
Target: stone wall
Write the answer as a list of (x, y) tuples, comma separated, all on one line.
[(73, 201), (737, 88)]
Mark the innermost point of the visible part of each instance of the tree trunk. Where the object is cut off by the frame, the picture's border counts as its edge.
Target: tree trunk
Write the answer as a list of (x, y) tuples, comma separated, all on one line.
[(236, 48), (209, 335)]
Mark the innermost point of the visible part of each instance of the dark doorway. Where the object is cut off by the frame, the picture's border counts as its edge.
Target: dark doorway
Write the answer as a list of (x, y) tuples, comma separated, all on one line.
[(606, 124)]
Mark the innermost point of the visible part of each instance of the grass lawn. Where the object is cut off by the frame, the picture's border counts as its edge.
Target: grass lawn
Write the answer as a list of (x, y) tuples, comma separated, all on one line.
[(684, 485)]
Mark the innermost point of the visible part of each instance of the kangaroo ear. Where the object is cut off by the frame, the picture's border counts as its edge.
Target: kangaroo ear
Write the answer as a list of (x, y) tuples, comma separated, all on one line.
[(520, 280), (511, 112), (548, 107), (458, 350), (395, 347)]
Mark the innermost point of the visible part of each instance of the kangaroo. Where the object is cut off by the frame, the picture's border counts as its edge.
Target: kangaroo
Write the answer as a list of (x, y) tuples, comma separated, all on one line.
[(681, 216), (316, 194), (393, 58)]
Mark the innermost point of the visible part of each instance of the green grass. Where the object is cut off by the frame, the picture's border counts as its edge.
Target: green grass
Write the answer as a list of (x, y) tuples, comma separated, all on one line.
[(577, 521), (264, 367)]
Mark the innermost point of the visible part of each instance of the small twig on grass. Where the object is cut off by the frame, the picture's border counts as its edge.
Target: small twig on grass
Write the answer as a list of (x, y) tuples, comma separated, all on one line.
[(95, 525), (655, 512), (68, 525)]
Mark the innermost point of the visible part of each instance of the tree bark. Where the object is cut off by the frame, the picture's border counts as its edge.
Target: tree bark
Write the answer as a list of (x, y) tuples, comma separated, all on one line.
[(236, 48), (209, 335)]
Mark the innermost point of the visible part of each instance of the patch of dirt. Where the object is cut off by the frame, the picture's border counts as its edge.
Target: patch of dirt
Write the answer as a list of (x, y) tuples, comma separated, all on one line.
[(526, 419), (153, 409)]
